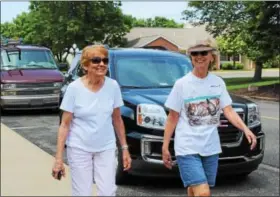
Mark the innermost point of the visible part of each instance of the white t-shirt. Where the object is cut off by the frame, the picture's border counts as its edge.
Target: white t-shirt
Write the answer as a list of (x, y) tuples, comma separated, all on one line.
[(91, 128), (199, 102)]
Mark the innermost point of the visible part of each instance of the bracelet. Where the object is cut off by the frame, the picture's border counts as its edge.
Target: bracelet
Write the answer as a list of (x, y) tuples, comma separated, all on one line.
[(124, 147)]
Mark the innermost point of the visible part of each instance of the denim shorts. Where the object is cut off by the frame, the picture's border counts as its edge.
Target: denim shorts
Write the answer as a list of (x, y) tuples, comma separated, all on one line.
[(196, 169)]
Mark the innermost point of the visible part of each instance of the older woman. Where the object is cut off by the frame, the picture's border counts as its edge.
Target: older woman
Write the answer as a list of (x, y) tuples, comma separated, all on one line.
[(91, 113), (195, 103)]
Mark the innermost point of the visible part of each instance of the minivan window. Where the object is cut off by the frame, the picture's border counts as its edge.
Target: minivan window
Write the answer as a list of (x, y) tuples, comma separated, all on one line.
[(30, 59), (145, 72)]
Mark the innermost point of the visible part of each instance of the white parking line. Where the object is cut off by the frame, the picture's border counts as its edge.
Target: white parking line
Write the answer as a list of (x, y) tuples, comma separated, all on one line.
[(36, 127), (268, 167), (271, 118)]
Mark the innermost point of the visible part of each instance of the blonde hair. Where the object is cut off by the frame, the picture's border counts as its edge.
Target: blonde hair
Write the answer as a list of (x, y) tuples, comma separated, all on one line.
[(214, 62), (89, 51)]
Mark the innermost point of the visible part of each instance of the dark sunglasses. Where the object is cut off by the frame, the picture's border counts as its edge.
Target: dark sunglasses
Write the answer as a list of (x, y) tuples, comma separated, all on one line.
[(202, 53), (97, 60)]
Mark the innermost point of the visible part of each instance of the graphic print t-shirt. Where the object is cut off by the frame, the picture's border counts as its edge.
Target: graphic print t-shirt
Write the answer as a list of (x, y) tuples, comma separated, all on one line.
[(199, 102)]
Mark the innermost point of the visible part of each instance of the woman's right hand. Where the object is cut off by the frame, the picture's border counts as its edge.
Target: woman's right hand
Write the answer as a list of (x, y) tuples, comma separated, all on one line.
[(166, 157), (57, 167)]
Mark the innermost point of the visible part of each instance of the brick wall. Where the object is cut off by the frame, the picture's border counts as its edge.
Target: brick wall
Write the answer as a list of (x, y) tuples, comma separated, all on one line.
[(164, 43)]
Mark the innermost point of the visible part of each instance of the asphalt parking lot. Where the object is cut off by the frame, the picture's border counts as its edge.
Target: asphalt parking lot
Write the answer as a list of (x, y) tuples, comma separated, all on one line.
[(40, 127)]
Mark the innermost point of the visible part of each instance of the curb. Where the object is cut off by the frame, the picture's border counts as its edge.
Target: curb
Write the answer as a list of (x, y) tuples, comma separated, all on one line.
[(265, 98), (259, 98)]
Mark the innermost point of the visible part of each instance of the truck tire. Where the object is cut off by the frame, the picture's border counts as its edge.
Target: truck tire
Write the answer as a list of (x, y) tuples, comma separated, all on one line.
[(121, 176)]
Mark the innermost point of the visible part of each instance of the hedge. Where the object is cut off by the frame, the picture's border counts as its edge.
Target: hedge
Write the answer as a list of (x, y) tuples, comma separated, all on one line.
[(229, 66)]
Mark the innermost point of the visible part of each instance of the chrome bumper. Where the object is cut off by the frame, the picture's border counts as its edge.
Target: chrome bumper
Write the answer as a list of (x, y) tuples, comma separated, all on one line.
[(156, 158), (30, 102)]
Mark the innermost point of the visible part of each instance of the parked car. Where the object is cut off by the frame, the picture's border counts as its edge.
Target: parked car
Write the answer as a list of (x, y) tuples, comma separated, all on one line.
[(30, 77), (146, 77)]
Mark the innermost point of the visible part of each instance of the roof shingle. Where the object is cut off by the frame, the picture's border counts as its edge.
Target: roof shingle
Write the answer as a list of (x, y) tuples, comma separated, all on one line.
[(182, 37)]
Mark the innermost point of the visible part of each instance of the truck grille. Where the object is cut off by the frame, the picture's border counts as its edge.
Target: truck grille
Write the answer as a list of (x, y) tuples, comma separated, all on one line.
[(37, 92), (35, 85), (229, 133), (230, 136), (31, 89)]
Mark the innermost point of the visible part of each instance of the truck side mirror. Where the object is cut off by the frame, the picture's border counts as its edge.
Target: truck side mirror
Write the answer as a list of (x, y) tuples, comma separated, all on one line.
[(63, 66)]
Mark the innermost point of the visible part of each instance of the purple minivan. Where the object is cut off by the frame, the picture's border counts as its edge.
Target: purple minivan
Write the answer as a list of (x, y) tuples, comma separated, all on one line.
[(30, 78)]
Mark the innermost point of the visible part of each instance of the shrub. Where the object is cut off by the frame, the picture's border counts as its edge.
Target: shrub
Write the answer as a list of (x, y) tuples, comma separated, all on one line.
[(239, 66), (273, 63), (229, 66)]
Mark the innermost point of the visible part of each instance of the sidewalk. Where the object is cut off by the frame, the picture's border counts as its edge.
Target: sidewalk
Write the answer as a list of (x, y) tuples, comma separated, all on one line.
[(26, 169)]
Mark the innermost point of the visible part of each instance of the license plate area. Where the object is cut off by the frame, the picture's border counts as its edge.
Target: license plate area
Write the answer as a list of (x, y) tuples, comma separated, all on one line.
[(36, 102)]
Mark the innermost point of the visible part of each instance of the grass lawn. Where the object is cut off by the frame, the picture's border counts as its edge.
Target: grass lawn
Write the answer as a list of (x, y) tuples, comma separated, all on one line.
[(239, 83), (244, 70)]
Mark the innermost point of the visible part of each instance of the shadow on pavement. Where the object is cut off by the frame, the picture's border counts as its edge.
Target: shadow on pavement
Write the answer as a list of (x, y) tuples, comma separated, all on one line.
[(154, 182), (162, 182), (230, 180), (33, 112)]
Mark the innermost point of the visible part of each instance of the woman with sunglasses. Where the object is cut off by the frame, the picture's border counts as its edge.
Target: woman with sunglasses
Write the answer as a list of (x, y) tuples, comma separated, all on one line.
[(195, 103), (91, 114)]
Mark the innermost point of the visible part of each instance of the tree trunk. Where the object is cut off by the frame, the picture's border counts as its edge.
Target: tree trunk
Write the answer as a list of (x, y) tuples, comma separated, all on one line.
[(65, 58), (59, 57), (258, 71)]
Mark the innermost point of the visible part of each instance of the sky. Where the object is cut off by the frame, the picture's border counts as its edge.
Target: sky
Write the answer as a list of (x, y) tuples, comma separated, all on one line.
[(144, 9)]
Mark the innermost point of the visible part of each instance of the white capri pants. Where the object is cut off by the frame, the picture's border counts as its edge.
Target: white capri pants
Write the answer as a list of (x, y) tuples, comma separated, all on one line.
[(87, 168)]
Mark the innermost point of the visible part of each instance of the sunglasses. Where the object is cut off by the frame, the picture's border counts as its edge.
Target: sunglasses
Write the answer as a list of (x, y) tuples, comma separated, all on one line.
[(97, 60), (202, 53)]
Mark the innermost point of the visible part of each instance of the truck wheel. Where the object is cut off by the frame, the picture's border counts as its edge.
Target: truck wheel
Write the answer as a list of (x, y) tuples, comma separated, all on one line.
[(121, 176)]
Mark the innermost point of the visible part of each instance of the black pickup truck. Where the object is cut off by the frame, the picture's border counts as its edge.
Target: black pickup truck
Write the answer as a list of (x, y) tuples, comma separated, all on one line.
[(146, 77)]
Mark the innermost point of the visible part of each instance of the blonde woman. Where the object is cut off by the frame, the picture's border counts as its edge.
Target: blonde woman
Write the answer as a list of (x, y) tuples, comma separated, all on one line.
[(195, 103), (91, 113)]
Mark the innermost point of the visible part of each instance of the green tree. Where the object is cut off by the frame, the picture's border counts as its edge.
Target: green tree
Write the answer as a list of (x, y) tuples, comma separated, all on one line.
[(59, 24), (20, 27), (164, 22), (8, 30), (65, 23), (154, 22), (231, 46), (256, 22)]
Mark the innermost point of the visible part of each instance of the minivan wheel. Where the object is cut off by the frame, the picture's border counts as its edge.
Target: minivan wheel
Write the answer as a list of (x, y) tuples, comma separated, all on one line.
[(121, 176)]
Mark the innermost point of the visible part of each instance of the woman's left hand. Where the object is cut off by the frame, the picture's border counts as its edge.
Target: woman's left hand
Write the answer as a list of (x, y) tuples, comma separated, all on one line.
[(126, 160), (252, 139)]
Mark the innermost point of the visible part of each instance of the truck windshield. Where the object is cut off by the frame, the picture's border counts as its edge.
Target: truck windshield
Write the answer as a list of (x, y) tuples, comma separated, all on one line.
[(151, 72), (30, 59)]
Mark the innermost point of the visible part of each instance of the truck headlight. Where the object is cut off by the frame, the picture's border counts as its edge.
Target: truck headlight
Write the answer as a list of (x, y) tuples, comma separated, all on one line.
[(253, 115), (151, 116), (8, 93)]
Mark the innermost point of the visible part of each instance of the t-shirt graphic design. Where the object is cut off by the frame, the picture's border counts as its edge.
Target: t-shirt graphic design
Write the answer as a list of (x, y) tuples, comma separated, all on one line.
[(203, 110)]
